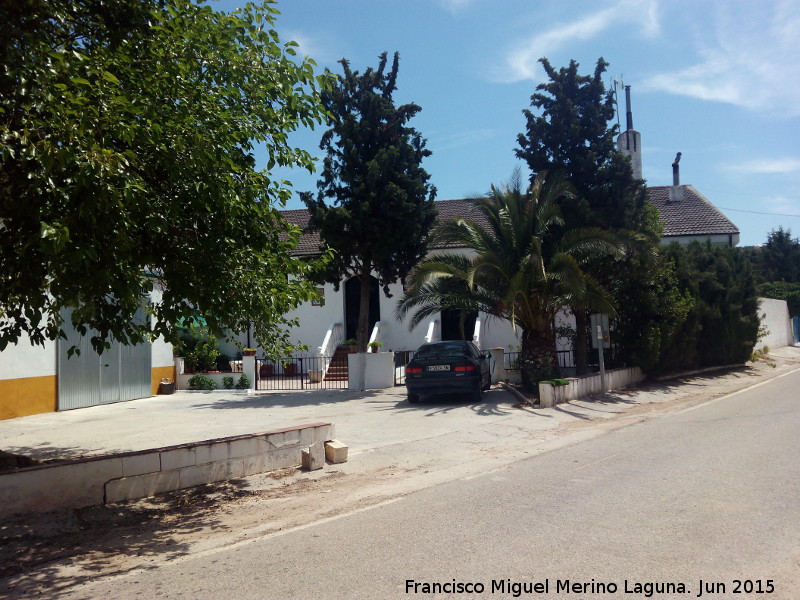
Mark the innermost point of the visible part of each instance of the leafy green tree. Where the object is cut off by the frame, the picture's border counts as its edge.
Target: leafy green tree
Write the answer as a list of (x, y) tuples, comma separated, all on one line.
[(127, 133), (570, 131), (524, 269), (374, 205)]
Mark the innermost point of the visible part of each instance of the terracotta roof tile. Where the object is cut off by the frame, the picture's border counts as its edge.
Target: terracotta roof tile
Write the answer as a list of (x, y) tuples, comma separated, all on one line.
[(693, 215)]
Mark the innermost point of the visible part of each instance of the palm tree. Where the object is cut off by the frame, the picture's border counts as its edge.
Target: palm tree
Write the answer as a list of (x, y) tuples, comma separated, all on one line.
[(524, 267)]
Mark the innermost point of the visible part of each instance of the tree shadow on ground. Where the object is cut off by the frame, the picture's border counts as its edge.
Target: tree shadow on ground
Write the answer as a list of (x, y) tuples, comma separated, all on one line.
[(287, 400), (45, 452), (496, 403), (109, 540)]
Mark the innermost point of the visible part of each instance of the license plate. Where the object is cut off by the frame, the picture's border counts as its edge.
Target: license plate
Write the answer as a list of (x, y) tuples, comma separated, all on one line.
[(439, 368)]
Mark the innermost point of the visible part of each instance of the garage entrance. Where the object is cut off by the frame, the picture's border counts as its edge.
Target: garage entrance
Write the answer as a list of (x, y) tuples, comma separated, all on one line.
[(119, 373)]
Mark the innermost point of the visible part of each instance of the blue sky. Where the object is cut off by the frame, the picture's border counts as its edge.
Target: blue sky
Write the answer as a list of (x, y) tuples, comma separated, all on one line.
[(718, 81)]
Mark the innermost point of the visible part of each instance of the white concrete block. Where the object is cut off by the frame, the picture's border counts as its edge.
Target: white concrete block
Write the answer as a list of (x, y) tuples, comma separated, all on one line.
[(208, 453), (255, 464), (235, 468), (141, 486), (241, 448), (284, 458), (200, 474), (313, 457), (283, 439), (177, 458), (335, 451), (140, 464)]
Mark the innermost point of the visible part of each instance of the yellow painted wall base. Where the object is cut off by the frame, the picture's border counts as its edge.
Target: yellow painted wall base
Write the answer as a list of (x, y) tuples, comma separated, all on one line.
[(28, 396), (159, 373)]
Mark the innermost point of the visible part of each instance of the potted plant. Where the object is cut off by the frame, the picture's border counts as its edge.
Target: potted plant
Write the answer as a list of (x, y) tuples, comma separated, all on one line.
[(266, 370), (248, 351), (290, 369), (352, 344), (375, 346)]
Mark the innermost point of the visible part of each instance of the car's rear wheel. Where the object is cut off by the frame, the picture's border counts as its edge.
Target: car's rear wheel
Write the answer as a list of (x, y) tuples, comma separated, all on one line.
[(488, 383), (413, 398)]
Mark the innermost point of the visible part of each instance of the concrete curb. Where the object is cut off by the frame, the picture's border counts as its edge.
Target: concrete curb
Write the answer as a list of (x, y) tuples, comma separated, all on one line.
[(131, 475)]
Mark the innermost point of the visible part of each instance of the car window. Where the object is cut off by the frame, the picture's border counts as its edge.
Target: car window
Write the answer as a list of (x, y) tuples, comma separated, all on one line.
[(442, 350)]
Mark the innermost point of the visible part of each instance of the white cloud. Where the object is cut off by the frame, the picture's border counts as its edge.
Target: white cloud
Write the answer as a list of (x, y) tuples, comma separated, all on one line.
[(465, 138), (522, 61), (318, 48), (455, 6), (773, 166), (747, 57), (784, 206)]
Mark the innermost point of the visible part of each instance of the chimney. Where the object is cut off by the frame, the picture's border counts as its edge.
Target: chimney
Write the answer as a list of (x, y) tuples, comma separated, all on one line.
[(676, 191), (629, 142)]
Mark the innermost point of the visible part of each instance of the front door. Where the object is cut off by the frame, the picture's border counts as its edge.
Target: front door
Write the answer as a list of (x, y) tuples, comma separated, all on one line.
[(458, 324)]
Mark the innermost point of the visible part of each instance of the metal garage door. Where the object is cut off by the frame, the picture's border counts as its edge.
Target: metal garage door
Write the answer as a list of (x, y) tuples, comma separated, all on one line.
[(120, 373)]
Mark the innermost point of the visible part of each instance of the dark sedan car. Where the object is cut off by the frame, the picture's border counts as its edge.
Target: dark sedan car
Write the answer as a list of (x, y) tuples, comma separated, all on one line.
[(446, 368)]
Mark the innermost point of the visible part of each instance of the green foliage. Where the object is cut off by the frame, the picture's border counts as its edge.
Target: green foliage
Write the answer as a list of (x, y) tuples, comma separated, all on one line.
[(243, 383), (524, 269), (127, 132), (722, 325), (571, 131), (381, 204), (780, 257), (199, 348), (202, 382), (227, 383), (652, 309), (782, 290)]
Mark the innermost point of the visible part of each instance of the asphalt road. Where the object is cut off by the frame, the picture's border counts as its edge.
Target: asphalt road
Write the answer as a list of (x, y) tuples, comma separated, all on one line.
[(710, 494)]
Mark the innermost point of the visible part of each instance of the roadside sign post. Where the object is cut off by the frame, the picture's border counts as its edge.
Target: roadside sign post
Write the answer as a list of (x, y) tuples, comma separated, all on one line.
[(602, 362)]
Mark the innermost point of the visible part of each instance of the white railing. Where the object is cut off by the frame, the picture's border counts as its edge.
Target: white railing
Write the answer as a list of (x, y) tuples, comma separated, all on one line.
[(333, 338), (434, 332), (476, 336), (375, 337)]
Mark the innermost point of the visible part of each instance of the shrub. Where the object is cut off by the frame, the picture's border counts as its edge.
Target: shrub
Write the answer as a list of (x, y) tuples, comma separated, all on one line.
[(202, 382), (227, 383), (243, 383)]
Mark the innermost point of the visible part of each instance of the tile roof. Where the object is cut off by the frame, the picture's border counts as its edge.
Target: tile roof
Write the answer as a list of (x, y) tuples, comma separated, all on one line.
[(693, 215), (309, 240)]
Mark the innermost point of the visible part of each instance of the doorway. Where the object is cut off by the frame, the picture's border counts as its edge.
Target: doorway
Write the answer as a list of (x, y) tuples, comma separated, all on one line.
[(352, 304)]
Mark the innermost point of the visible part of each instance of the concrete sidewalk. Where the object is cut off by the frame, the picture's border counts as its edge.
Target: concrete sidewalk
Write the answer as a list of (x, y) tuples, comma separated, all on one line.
[(363, 420)]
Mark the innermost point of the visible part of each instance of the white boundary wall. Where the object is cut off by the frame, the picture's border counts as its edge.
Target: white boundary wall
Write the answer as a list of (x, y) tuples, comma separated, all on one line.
[(774, 316), (131, 475), (586, 385)]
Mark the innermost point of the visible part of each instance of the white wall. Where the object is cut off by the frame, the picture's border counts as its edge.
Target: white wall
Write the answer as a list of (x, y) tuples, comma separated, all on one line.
[(775, 316), (685, 240), (24, 359)]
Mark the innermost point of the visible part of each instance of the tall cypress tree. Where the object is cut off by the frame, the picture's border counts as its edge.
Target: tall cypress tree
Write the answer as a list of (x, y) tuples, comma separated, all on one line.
[(570, 131), (374, 204)]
